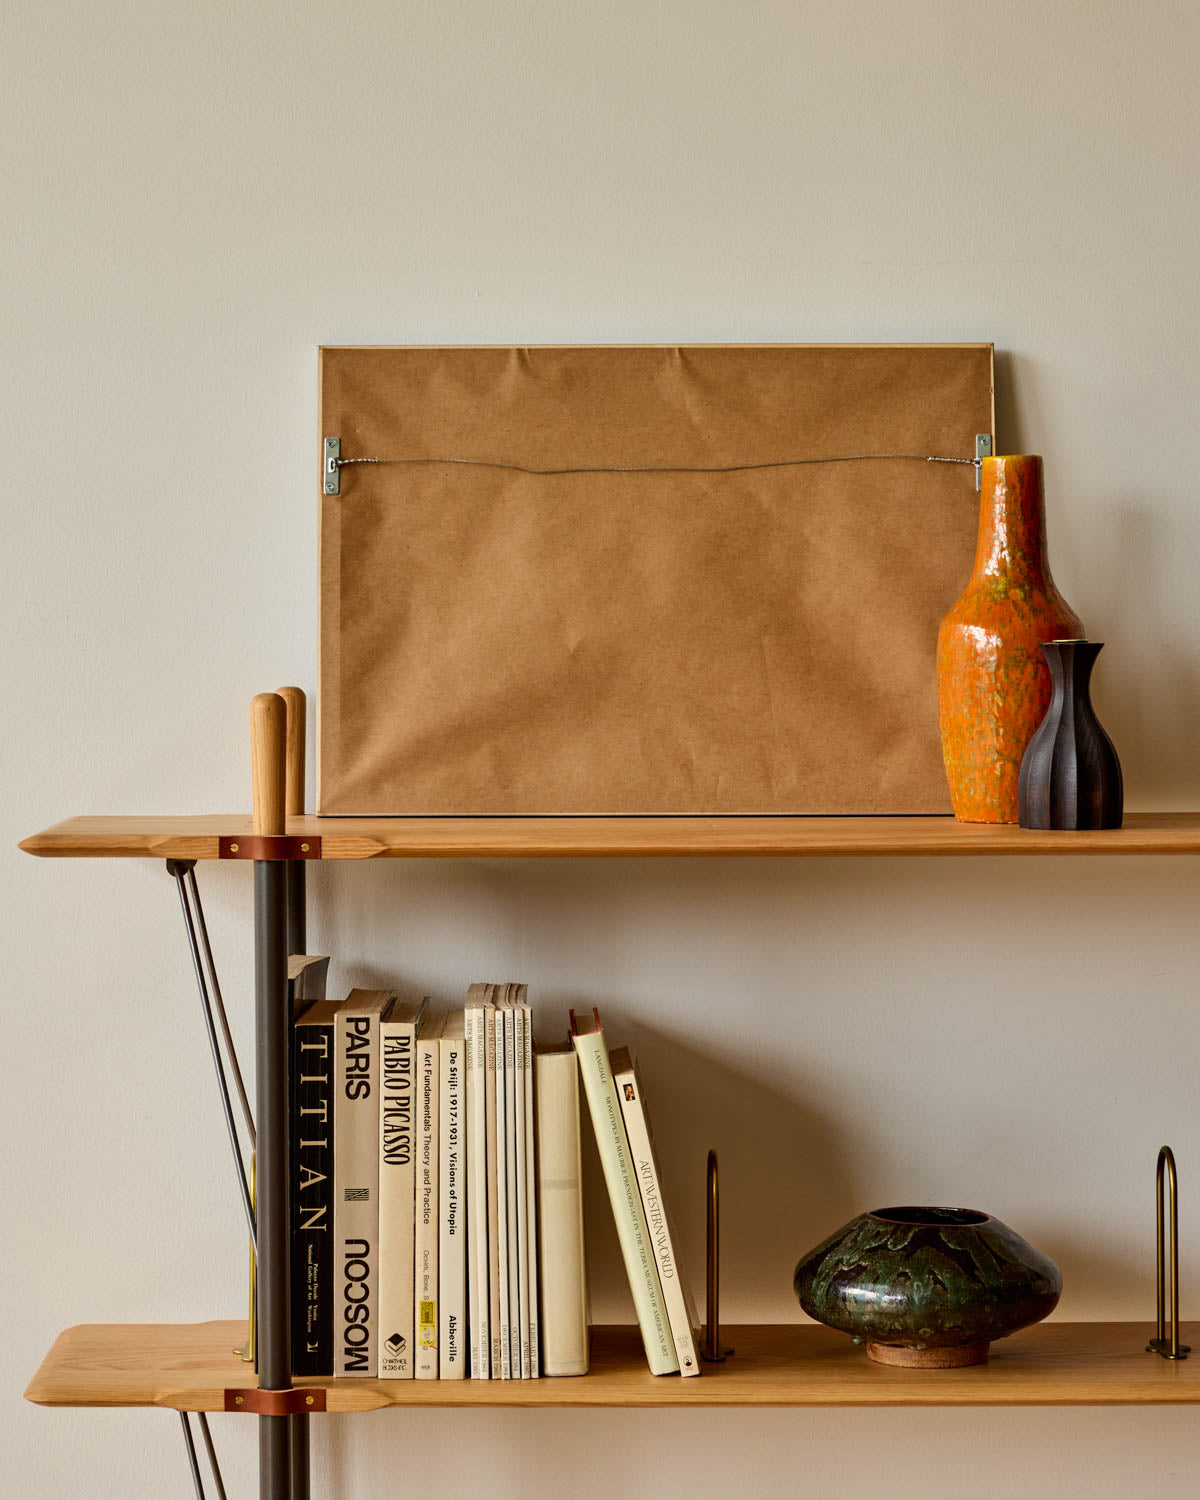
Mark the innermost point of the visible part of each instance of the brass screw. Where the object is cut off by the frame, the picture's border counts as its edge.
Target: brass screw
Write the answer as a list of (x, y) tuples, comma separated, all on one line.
[(239, 1400), (303, 848), (308, 1400), (233, 848)]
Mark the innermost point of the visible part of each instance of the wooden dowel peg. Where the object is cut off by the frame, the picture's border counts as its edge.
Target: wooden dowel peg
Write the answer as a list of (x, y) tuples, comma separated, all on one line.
[(268, 740), (294, 699)]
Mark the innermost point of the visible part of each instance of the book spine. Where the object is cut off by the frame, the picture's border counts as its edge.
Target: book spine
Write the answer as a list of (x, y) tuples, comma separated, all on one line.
[(491, 1349), (626, 1199), (426, 1264), (397, 1177), (356, 1195), (563, 1328), (531, 1195), (452, 1287), (501, 1334), (645, 1166), (479, 1306), (312, 1199), (521, 1195), (513, 1198)]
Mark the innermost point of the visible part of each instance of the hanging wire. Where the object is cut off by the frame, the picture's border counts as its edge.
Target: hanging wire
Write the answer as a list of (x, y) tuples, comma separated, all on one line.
[(779, 463)]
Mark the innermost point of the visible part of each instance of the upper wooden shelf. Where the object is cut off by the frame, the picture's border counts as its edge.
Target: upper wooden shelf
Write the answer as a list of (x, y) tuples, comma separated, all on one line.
[(188, 1367), (371, 838)]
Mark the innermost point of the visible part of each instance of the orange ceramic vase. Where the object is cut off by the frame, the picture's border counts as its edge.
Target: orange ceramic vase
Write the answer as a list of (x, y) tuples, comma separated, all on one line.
[(993, 682)]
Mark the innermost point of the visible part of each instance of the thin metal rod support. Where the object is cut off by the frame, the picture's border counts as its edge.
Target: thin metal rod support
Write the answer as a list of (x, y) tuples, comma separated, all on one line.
[(219, 1007), (193, 1464), (180, 869), (212, 1455)]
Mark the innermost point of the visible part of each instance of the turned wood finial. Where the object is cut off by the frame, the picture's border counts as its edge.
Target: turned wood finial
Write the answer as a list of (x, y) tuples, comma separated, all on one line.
[(268, 737)]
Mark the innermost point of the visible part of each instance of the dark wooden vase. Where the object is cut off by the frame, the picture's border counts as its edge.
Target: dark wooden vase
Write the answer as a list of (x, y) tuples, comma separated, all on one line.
[(1070, 774)]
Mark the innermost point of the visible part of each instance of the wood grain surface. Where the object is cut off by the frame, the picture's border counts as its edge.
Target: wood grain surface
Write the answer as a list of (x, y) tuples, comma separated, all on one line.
[(197, 837), (188, 1366)]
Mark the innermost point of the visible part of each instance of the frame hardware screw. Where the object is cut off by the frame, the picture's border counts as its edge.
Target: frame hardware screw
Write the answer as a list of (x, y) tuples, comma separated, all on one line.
[(233, 848)]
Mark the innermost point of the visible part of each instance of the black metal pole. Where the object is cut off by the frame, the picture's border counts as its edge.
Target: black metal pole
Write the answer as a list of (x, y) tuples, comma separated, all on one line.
[(271, 1073), (296, 919), (298, 1425)]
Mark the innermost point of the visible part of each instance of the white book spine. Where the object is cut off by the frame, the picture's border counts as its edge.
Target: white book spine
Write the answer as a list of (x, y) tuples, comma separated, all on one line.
[(514, 1202), (356, 1195), (531, 1195), (503, 1203), (426, 1257), (491, 1351), (453, 1359), (479, 1304), (563, 1328), (397, 1216), (645, 1165), (628, 1214), (521, 1195)]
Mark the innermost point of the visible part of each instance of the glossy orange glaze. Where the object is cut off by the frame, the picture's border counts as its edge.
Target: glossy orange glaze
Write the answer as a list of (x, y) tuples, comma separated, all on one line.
[(993, 682)]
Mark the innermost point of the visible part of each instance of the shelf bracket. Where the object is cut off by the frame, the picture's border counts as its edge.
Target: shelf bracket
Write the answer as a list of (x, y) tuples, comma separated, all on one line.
[(256, 846), (294, 1401)]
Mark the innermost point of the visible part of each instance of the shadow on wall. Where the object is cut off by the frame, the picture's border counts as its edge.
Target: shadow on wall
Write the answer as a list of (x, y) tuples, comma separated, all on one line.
[(1147, 682)]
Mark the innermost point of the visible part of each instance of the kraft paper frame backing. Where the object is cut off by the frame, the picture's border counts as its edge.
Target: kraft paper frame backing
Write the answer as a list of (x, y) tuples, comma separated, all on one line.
[(762, 642)]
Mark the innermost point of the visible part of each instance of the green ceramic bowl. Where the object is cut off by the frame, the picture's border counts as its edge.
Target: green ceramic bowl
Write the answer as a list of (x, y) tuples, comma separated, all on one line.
[(927, 1286)]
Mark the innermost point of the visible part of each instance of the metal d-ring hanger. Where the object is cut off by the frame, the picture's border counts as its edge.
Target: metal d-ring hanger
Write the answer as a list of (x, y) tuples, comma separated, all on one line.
[(334, 463)]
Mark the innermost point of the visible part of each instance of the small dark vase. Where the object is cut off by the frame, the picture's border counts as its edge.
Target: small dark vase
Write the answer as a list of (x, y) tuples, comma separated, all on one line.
[(1070, 774)]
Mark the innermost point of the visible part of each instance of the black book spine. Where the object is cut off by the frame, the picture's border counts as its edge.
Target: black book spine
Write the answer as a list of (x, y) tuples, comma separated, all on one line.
[(312, 1199)]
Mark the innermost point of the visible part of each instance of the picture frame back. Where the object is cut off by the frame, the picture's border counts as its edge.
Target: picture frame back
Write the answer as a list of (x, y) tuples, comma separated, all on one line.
[(709, 640)]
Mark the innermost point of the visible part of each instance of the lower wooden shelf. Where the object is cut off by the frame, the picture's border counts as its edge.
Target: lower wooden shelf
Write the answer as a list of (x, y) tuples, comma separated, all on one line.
[(188, 1366)]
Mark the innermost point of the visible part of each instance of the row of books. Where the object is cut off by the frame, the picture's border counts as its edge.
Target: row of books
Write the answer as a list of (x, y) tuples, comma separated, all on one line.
[(436, 1203)]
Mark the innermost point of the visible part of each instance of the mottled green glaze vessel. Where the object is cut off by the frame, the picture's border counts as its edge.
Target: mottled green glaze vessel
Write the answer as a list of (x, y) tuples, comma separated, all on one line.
[(927, 1286)]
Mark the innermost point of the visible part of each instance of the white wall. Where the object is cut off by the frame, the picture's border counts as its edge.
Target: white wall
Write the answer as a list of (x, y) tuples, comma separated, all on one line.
[(195, 197)]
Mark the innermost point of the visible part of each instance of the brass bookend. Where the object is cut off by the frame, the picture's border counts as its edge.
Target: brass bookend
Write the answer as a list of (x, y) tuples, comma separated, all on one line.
[(1169, 1348), (250, 1353), (712, 1349)]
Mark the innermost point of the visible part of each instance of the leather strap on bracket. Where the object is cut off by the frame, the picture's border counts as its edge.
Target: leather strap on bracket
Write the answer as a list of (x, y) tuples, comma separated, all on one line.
[(286, 1403), (269, 846)]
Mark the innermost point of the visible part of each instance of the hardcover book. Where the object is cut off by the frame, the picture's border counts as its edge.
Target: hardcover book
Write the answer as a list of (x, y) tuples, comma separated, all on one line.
[(425, 1273), (563, 1327), (397, 1191), (453, 1353), (312, 1172), (681, 1311), (478, 1280), (356, 1181), (624, 1194)]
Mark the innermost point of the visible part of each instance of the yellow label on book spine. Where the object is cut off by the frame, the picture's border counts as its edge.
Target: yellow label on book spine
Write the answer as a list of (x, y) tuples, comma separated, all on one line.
[(428, 1322)]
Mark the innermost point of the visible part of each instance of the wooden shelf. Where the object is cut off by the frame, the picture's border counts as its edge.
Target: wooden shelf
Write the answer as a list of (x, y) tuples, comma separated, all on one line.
[(188, 1367), (371, 838)]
